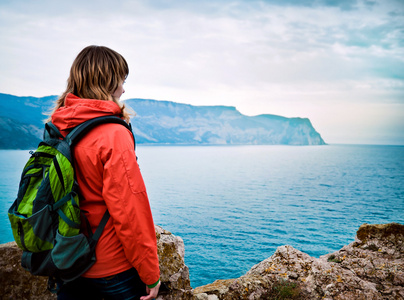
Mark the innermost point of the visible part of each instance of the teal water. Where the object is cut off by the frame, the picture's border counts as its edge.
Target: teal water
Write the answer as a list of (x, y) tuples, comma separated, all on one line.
[(234, 205)]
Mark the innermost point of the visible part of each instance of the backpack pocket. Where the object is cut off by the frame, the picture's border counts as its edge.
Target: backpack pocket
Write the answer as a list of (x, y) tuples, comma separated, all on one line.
[(69, 258), (68, 250), (33, 233)]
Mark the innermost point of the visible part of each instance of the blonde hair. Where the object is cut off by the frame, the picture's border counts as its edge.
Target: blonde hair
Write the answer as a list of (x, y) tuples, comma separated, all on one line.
[(96, 73)]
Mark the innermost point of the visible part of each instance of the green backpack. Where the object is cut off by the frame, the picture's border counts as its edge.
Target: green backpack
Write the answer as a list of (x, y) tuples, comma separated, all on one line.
[(46, 216)]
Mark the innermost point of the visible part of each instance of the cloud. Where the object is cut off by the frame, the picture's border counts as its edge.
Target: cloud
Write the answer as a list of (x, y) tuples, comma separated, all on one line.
[(281, 57)]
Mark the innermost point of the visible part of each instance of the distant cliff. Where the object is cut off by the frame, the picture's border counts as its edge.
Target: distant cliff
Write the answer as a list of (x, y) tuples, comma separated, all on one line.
[(164, 122), (174, 123), (22, 120)]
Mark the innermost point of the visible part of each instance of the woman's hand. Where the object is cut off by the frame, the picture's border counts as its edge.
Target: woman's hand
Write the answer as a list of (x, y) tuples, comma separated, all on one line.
[(152, 292)]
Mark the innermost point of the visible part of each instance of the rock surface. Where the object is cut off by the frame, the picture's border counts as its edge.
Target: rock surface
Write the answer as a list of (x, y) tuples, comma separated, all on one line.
[(372, 267), (174, 272), (16, 283)]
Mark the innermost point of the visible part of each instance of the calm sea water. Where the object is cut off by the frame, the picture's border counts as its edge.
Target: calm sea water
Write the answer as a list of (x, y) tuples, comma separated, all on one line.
[(234, 205)]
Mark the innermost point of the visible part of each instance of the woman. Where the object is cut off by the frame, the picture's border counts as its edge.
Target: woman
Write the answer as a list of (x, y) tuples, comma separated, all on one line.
[(109, 178)]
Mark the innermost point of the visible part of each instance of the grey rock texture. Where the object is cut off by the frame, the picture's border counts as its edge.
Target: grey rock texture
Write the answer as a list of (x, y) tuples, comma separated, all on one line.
[(370, 268), (16, 283)]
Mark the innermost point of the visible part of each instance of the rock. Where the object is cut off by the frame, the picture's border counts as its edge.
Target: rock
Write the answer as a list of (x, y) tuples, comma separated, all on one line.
[(376, 256), (16, 283), (174, 272), (372, 267)]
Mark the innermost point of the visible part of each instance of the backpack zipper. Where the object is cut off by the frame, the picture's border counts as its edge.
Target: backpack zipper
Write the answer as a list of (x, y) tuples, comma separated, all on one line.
[(21, 234), (41, 154)]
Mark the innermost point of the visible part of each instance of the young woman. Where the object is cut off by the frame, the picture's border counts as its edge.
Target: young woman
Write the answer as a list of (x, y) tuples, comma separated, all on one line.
[(108, 175)]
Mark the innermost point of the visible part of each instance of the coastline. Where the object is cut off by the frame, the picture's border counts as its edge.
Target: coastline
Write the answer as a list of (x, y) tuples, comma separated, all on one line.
[(371, 267)]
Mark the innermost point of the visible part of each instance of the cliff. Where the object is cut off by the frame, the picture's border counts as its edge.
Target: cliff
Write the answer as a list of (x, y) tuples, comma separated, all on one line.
[(371, 267), (16, 283), (163, 122), (175, 123)]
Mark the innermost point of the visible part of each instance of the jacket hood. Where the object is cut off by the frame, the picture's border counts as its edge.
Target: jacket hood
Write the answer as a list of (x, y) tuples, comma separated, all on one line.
[(77, 110)]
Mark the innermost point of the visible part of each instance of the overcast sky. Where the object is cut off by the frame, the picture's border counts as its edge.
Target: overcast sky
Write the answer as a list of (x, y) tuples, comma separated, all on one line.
[(339, 63)]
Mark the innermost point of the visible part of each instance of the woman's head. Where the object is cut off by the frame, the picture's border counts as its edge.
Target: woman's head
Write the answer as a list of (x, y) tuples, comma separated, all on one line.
[(98, 73)]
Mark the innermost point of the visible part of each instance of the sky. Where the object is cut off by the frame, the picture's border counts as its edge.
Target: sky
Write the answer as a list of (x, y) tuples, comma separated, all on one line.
[(338, 63)]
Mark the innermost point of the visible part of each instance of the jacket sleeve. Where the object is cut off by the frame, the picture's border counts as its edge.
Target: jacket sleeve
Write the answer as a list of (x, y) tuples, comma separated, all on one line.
[(125, 195)]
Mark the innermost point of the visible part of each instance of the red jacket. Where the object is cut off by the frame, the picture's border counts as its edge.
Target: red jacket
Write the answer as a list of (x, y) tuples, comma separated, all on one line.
[(109, 177)]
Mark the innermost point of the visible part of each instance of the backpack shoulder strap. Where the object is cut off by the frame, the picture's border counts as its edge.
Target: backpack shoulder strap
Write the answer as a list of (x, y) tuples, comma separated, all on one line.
[(73, 137), (78, 132), (51, 131), (53, 137)]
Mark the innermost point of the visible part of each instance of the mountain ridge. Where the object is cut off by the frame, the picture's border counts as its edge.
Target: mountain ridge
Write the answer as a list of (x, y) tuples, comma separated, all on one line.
[(163, 122)]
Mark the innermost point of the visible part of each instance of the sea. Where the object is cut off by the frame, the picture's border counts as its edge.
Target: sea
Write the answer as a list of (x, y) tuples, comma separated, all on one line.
[(234, 205)]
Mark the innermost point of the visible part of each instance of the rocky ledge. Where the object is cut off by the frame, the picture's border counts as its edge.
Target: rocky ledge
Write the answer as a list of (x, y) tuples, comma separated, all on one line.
[(372, 267), (16, 283)]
